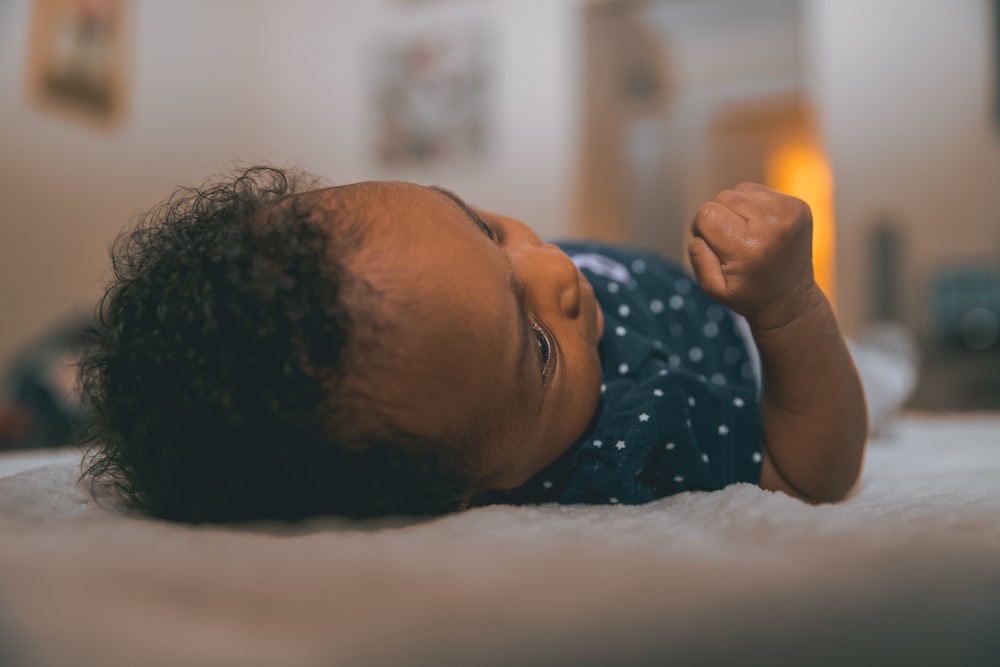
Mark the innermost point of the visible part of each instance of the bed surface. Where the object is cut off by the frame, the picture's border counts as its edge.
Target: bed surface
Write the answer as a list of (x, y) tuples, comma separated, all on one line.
[(905, 572)]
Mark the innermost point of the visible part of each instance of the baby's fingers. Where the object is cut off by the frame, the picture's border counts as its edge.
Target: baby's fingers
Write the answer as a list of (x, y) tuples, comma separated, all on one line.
[(707, 268), (719, 226), (747, 200)]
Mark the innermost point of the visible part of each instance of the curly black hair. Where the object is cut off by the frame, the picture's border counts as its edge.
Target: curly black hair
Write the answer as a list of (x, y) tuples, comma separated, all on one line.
[(217, 373)]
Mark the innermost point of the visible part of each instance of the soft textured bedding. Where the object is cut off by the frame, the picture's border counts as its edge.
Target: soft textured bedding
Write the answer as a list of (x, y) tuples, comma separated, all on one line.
[(905, 572)]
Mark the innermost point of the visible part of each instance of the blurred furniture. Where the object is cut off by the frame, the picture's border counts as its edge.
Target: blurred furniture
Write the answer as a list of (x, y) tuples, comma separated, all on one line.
[(961, 354)]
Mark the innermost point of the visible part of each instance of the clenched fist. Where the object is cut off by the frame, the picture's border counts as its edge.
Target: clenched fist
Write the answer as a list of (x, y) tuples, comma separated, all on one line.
[(752, 252)]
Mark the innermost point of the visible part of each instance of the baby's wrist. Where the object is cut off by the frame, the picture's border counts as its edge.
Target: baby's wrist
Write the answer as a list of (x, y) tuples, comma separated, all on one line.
[(778, 314)]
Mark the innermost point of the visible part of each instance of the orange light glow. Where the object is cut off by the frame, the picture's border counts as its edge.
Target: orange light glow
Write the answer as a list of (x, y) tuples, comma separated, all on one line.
[(798, 166)]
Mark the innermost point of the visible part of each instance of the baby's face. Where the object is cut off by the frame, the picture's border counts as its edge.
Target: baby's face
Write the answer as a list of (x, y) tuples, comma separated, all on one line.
[(490, 336)]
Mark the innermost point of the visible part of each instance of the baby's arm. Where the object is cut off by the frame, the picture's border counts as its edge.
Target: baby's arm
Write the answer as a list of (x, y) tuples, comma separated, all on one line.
[(752, 251)]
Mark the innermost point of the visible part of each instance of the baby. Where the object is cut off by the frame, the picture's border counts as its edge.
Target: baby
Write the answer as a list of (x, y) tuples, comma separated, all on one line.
[(269, 349)]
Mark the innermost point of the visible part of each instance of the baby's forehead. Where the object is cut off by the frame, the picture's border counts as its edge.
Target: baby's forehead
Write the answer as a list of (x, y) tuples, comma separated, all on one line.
[(389, 222), (360, 216), (371, 196)]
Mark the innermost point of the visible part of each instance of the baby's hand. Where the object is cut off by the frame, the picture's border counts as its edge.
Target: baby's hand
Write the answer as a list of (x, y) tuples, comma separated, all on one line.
[(752, 251)]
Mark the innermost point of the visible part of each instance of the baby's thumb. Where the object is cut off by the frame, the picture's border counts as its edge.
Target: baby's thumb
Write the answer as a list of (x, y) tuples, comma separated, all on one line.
[(707, 268)]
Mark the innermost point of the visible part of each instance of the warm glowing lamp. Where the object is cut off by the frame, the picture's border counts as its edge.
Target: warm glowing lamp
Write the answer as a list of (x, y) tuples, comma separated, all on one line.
[(798, 166)]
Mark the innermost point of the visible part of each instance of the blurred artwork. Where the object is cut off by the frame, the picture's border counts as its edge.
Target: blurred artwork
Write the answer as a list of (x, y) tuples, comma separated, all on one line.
[(77, 58), (431, 94)]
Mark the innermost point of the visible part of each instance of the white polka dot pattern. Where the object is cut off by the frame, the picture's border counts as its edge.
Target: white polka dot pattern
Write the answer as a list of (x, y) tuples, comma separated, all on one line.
[(677, 410)]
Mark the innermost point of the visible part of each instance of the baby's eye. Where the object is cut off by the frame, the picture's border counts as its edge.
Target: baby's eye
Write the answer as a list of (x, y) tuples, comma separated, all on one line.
[(490, 231), (544, 347)]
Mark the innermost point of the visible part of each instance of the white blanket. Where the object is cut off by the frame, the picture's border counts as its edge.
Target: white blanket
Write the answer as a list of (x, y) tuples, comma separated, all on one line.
[(905, 572)]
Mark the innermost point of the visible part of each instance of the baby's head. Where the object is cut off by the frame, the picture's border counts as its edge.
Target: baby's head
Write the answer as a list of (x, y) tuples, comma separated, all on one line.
[(268, 350)]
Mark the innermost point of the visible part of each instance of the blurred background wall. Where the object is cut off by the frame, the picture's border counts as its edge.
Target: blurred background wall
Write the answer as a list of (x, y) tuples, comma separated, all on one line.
[(613, 119), (222, 82)]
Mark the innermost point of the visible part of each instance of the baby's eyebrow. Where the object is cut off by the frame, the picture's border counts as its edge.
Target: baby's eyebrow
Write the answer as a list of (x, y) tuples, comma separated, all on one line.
[(468, 210)]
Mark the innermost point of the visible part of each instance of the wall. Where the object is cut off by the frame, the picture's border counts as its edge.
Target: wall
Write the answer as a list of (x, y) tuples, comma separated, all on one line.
[(904, 92), (318, 72), (227, 81), (901, 86), (66, 189), (726, 58)]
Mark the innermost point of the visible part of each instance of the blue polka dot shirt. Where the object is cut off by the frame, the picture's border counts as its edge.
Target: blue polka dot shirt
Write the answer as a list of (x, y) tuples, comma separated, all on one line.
[(679, 408)]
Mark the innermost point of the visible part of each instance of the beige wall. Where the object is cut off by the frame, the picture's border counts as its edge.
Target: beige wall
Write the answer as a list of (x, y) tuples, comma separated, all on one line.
[(901, 88), (318, 72), (214, 83), (904, 92), (66, 188)]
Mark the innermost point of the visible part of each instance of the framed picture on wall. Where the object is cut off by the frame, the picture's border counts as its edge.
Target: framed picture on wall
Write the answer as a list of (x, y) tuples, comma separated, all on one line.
[(431, 93), (78, 59)]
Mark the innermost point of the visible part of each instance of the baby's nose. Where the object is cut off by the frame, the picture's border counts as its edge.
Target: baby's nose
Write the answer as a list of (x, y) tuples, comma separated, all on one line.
[(564, 278)]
